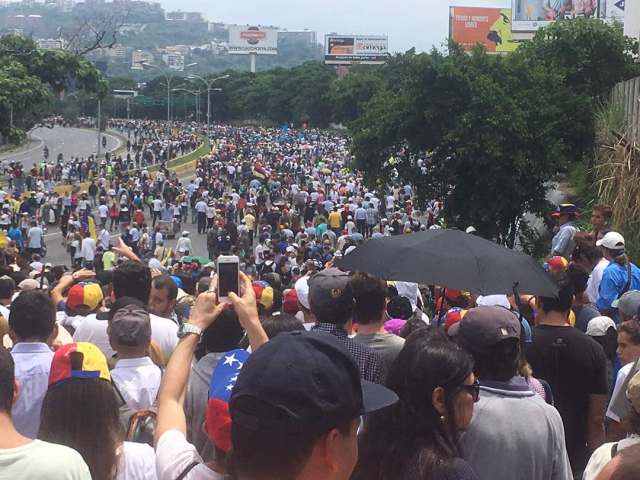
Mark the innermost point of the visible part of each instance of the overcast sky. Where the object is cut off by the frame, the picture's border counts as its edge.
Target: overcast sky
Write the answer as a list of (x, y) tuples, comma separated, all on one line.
[(408, 23)]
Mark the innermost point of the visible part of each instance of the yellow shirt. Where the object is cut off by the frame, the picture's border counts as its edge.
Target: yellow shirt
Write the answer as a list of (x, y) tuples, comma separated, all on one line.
[(250, 221), (335, 220)]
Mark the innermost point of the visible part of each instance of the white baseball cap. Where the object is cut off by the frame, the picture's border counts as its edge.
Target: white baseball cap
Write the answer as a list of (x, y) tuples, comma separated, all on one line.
[(612, 241), (598, 326), (302, 291)]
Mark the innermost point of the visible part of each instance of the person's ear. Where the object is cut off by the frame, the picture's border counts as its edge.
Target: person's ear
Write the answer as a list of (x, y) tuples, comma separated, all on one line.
[(332, 450), (438, 400), (54, 334), (16, 392)]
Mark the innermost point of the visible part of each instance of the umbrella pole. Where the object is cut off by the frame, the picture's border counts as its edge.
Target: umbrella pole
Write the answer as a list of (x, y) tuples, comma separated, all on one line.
[(440, 309)]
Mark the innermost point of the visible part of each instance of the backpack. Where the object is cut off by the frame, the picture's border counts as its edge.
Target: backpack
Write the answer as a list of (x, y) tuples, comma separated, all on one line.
[(139, 425)]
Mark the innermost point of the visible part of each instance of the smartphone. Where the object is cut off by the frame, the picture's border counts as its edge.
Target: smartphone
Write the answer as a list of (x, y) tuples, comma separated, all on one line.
[(228, 280)]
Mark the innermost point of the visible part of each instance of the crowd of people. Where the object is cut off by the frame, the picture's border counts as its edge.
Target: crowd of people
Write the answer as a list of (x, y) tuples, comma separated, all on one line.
[(127, 365)]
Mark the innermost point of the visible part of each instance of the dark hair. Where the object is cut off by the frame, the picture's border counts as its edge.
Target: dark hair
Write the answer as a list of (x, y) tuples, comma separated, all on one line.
[(7, 287), (409, 436), (279, 323), (399, 307), (164, 282), (500, 363), (83, 414), (631, 328), (7, 380), (132, 279), (578, 277), (563, 302), (224, 334), (32, 315), (629, 465), (586, 250), (278, 453), (369, 293)]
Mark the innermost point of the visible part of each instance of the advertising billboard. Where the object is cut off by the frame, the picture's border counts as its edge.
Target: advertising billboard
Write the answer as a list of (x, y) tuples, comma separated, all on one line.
[(354, 49), (245, 39), (529, 15), (490, 27)]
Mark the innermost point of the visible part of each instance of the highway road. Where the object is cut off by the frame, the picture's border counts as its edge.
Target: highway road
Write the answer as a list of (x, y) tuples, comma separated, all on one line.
[(76, 142)]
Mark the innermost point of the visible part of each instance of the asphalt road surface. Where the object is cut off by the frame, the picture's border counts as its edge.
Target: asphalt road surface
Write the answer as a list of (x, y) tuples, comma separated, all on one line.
[(76, 142)]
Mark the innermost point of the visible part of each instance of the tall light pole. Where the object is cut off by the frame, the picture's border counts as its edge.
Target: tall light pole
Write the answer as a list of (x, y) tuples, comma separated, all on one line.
[(208, 83), (98, 125), (196, 94), (168, 77)]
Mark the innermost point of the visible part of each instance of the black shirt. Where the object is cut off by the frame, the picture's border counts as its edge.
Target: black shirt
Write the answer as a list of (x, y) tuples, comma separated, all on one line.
[(575, 367)]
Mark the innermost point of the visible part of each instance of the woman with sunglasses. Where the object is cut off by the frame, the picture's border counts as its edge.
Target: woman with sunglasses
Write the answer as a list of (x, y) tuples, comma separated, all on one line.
[(417, 438)]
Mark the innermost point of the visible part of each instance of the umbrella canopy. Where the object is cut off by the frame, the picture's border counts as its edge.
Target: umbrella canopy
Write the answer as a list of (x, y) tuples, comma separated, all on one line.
[(452, 259)]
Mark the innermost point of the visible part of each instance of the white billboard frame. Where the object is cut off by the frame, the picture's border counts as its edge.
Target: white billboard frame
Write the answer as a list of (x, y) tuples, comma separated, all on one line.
[(376, 53), (252, 39)]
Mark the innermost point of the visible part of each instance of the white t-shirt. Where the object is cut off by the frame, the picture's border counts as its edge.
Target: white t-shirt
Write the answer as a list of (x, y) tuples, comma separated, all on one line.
[(593, 285), (38, 459), (88, 249), (137, 461), (622, 376), (103, 211), (174, 454), (157, 205)]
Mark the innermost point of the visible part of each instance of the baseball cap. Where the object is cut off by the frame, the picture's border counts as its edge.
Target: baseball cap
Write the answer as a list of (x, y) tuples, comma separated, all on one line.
[(78, 360), (264, 293), (302, 291), (565, 209), (84, 294), (224, 377), (598, 326), (329, 290), (628, 303), (493, 300), (483, 327), (130, 326), (31, 284), (633, 392), (612, 241), (302, 379), (290, 302)]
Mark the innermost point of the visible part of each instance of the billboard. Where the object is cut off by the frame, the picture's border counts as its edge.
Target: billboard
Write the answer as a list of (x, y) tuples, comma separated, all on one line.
[(245, 39), (529, 15), (490, 27), (353, 49)]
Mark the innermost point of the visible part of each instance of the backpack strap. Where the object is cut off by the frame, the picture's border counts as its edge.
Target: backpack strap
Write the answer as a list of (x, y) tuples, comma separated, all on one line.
[(186, 471), (628, 284)]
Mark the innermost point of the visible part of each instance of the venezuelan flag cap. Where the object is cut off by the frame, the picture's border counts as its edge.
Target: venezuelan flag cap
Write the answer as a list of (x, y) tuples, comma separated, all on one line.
[(78, 360)]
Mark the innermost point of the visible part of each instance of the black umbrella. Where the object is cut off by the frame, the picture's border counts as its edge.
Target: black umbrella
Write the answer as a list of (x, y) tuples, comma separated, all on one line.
[(452, 259)]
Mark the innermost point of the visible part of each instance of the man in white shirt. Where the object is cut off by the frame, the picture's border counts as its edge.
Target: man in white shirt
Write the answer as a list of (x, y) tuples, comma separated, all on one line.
[(135, 377), (88, 249), (183, 245), (104, 238), (157, 208), (20, 456), (32, 328), (201, 210), (34, 236), (103, 213)]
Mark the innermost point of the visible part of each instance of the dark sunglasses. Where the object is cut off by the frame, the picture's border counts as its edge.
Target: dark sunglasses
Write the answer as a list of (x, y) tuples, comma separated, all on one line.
[(473, 390)]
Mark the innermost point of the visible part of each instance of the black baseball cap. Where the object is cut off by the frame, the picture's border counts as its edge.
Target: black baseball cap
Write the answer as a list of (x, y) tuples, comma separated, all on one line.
[(486, 326), (303, 379)]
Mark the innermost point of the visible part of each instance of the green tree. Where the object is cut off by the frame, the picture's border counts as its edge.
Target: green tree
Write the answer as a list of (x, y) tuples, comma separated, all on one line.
[(469, 129)]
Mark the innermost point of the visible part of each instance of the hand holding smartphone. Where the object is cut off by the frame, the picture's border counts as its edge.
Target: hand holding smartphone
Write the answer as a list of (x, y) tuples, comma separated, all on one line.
[(228, 267)]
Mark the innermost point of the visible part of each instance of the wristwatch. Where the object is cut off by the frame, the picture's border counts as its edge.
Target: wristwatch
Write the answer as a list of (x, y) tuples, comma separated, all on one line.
[(188, 328)]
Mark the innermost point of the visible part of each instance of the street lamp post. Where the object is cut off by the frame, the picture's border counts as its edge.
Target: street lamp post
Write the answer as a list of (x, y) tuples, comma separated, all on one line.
[(196, 94), (208, 84), (98, 125), (168, 78)]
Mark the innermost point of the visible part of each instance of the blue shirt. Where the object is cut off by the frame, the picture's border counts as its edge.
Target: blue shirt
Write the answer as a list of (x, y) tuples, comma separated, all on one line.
[(563, 242), (32, 366), (614, 278)]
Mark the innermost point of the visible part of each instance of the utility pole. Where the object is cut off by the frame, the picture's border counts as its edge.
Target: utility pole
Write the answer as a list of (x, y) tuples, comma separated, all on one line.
[(98, 124)]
